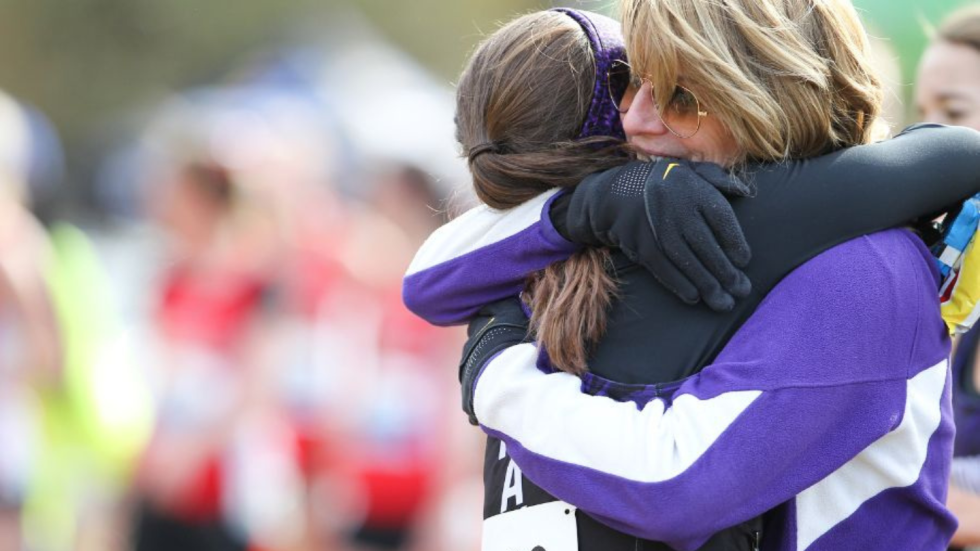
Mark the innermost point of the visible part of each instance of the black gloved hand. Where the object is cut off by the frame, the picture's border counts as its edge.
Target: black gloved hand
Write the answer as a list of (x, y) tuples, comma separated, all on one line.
[(671, 217), (496, 326)]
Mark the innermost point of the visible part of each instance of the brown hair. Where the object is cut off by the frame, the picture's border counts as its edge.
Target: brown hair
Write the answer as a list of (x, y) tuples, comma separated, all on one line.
[(520, 103), (788, 78), (962, 27)]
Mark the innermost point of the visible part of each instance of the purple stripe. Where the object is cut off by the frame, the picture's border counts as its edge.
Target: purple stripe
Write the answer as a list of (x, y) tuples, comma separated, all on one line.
[(548, 230)]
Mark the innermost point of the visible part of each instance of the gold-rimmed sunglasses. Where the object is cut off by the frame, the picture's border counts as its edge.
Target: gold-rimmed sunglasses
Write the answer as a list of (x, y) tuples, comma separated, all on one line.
[(681, 116)]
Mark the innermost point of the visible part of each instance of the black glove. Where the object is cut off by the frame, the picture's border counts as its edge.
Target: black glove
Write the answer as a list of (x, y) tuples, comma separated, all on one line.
[(671, 217), (496, 326)]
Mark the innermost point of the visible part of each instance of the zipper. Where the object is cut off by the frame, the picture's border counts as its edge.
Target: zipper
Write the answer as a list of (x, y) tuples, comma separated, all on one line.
[(756, 540)]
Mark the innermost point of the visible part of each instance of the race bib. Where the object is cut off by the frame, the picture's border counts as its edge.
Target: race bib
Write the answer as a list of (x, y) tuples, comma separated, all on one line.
[(546, 527)]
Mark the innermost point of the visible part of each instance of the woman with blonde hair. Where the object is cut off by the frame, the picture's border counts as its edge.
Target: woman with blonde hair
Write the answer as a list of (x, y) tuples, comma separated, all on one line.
[(649, 322)]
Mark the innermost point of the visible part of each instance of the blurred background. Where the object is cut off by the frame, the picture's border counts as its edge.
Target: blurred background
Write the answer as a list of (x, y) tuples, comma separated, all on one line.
[(207, 208)]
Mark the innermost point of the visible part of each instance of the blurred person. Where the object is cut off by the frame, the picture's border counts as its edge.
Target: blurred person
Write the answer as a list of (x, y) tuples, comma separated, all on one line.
[(948, 84), (503, 153), (18, 424), (948, 92), (220, 436), (377, 467), (392, 453), (31, 356), (73, 410), (98, 420), (207, 303), (411, 198), (27, 255)]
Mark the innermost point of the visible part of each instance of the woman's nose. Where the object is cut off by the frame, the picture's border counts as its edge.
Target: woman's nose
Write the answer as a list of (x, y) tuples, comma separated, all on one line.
[(643, 117)]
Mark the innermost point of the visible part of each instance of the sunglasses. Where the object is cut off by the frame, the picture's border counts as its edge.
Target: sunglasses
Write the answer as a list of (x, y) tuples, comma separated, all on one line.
[(681, 115)]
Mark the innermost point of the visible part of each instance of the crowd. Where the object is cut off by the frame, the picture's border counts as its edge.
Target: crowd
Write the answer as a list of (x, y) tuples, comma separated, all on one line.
[(225, 362)]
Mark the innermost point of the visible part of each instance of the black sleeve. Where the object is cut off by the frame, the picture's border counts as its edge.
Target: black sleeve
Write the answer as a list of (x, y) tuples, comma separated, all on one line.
[(558, 213), (802, 208)]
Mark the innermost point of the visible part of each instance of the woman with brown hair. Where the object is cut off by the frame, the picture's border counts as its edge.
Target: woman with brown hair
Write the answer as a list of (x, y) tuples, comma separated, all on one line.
[(948, 92), (856, 190)]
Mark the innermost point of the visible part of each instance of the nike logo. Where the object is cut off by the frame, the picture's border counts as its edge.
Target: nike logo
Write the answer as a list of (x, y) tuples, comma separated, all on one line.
[(669, 168)]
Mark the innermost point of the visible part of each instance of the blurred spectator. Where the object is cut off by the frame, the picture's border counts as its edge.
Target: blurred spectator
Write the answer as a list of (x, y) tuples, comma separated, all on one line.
[(295, 403), (198, 476), (948, 92), (30, 357), (400, 456), (70, 417)]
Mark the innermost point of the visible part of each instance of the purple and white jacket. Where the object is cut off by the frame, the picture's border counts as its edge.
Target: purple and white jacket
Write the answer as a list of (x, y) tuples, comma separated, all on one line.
[(831, 405)]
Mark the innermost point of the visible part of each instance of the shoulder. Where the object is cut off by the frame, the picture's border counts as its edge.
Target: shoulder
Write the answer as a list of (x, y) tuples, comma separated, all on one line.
[(883, 276), (482, 226), (892, 260), (864, 310)]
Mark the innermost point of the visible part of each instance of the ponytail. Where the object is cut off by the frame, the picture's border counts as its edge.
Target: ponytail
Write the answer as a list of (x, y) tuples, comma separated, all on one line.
[(520, 103), (505, 176)]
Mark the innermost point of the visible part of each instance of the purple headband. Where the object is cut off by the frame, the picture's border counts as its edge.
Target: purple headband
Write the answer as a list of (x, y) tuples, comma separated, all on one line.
[(606, 38)]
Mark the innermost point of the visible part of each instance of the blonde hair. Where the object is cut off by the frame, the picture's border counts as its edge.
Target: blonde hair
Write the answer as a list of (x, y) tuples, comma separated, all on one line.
[(787, 78), (520, 103)]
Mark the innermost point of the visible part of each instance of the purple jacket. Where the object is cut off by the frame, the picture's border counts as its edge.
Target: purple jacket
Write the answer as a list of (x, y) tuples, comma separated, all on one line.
[(831, 404), (481, 257)]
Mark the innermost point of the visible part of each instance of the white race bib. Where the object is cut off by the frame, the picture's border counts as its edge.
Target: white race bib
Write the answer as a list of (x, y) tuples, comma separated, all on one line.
[(547, 527)]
